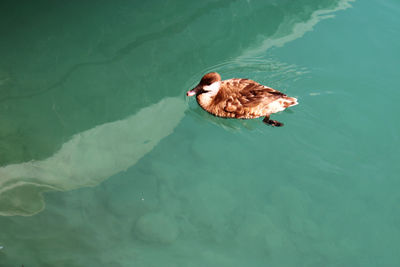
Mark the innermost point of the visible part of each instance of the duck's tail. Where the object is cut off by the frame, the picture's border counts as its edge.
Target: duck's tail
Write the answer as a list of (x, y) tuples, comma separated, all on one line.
[(289, 101)]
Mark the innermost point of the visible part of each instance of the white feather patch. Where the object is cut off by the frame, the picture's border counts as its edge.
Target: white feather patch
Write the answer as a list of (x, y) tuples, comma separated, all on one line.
[(276, 106), (212, 88)]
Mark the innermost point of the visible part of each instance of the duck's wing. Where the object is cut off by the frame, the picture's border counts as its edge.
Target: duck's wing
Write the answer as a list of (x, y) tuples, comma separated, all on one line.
[(245, 98), (253, 94), (248, 93)]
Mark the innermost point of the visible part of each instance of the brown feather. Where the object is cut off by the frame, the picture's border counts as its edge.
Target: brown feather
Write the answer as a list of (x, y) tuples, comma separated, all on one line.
[(243, 98)]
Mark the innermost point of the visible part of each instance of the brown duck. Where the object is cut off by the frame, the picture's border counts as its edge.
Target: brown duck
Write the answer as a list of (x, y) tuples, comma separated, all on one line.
[(240, 98)]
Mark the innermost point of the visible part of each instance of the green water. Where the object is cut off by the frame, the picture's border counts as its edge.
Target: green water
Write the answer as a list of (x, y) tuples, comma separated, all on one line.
[(105, 162)]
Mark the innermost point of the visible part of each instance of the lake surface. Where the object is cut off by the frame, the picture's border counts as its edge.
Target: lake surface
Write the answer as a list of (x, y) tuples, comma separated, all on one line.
[(104, 161)]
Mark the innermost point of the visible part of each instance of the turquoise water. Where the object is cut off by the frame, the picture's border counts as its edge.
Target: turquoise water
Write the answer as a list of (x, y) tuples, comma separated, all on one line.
[(105, 162)]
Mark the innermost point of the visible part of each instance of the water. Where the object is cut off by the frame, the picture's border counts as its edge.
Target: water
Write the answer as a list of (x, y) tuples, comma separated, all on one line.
[(105, 162)]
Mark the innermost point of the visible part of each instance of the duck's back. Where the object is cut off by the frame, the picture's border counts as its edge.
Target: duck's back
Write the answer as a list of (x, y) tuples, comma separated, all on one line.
[(245, 99)]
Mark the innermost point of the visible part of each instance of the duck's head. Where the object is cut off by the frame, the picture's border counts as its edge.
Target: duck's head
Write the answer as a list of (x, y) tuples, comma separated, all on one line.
[(209, 83)]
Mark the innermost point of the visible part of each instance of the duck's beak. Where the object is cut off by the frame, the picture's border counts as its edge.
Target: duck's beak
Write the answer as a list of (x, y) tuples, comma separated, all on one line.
[(194, 91)]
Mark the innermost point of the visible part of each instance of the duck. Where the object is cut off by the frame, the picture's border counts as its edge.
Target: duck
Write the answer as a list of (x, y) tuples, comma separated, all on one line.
[(240, 98)]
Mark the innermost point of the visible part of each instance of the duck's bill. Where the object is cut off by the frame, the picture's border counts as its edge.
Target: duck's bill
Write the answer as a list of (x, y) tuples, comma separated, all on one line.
[(191, 93), (194, 91)]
